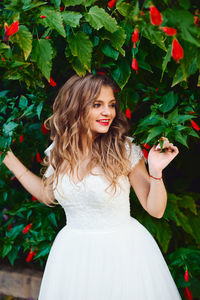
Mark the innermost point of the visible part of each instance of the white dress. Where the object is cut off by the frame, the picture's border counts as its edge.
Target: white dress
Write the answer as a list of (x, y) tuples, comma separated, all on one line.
[(103, 253)]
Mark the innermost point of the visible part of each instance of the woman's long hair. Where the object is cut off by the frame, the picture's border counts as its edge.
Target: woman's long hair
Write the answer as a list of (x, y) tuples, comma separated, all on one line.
[(69, 122)]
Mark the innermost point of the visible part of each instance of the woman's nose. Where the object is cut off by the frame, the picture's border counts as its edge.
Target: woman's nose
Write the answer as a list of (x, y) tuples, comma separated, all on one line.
[(105, 111)]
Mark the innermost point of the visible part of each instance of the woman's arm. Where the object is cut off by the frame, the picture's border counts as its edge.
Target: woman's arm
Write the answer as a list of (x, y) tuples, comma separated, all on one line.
[(31, 182), (151, 192)]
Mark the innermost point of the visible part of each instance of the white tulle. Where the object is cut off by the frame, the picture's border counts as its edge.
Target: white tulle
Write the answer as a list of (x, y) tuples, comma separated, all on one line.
[(103, 253)]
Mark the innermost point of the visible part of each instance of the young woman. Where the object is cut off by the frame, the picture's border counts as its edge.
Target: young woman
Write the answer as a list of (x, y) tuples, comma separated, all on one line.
[(102, 253)]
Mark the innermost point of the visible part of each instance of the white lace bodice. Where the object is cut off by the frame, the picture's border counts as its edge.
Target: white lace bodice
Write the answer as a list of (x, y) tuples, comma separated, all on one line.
[(87, 205)]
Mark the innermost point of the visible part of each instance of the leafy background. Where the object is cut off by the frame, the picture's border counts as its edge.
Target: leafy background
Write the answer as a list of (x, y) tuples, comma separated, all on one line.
[(59, 38)]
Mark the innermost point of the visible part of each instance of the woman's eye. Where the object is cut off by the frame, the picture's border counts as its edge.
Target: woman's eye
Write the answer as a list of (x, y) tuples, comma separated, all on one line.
[(96, 105), (113, 105)]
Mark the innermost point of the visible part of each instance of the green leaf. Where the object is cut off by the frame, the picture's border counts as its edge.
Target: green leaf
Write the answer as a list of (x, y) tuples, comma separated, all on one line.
[(44, 251), (52, 219), (166, 59), (14, 232), (168, 102), (39, 109), (155, 37), (72, 2), (163, 234), (98, 18), (9, 127), (32, 4), (121, 73), (78, 66), (53, 20), (81, 46), (56, 3), (28, 111), (71, 18), (187, 36), (188, 202), (173, 116), (123, 8), (183, 118), (42, 54), (24, 39), (13, 254), (149, 121), (116, 38), (156, 131), (6, 250), (23, 102), (178, 77), (135, 10), (78, 2), (181, 138), (109, 51)]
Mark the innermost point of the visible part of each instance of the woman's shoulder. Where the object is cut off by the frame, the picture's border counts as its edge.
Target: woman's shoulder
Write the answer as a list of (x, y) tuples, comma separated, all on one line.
[(134, 150)]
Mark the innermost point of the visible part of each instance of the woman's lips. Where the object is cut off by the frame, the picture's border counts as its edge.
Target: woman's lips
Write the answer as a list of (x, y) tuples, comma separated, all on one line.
[(103, 122)]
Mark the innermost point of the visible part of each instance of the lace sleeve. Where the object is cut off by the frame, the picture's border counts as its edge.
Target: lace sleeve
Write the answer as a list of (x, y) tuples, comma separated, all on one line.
[(135, 153), (50, 169)]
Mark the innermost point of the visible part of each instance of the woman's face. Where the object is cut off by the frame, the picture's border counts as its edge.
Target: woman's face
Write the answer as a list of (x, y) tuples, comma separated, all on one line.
[(103, 111)]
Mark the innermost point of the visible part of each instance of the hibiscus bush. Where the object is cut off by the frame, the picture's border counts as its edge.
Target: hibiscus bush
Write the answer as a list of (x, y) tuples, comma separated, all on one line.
[(151, 50)]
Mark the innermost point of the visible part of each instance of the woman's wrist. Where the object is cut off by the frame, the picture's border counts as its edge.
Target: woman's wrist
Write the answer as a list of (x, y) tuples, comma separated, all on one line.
[(155, 173)]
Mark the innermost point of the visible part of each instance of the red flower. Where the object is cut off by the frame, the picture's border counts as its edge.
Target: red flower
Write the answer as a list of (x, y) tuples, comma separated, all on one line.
[(44, 129), (145, 152), (31, 254), (34, 198), (42, 17), (27, 228), (191, 112), (146, 146), (186, 276), (21, 138), (52, 82), (196, 20), (169, 30), (9, 227), (195, 125), (13, 140), (38, 157), (135, 37), (3, 59), (48, 37), (128, 113), (187, 294), (112, 3), (12, 29), (102, 73), (155, 16), (156, 89), (177, 50), (61, 8), (135, 65)]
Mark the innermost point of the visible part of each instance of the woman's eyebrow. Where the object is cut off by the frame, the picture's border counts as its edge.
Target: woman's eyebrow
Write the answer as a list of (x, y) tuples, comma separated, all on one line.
[(99, 100)]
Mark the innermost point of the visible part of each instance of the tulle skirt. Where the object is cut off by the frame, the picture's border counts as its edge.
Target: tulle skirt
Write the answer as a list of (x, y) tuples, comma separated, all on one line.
[(121, 264)]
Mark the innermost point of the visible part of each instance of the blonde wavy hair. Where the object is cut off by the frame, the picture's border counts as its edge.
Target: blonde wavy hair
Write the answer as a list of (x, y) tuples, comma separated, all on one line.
[(70, 120)]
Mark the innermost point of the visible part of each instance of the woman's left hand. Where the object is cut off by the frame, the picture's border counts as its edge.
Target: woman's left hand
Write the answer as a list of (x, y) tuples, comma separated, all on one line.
[(158, 160)]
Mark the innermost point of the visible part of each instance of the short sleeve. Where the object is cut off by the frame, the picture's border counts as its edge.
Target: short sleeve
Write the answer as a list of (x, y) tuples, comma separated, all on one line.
[(136, 153), (50, 169)]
